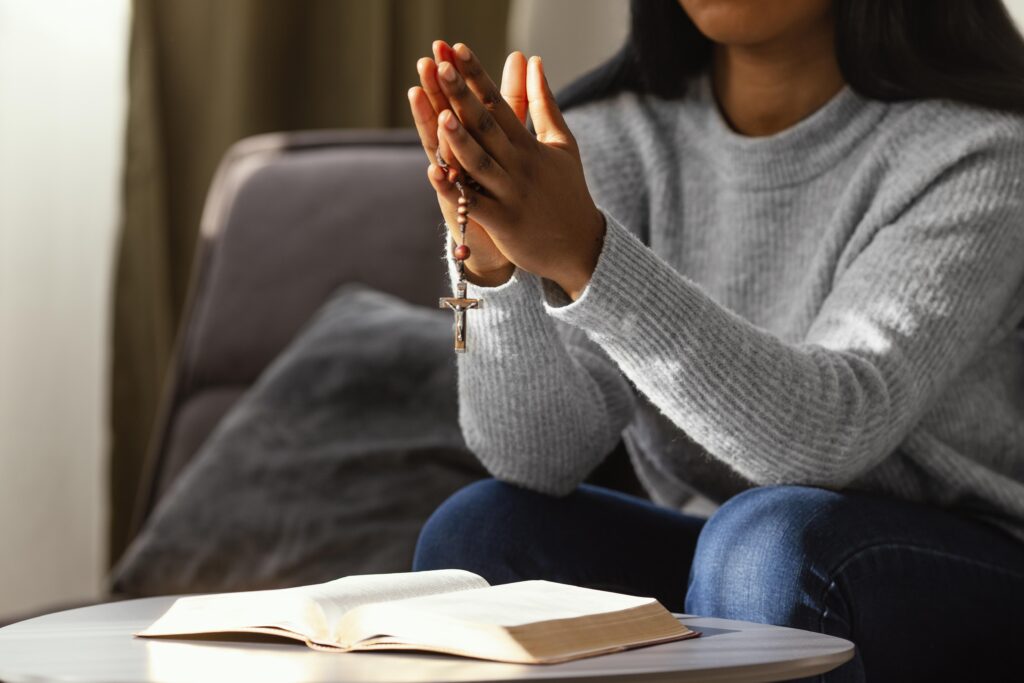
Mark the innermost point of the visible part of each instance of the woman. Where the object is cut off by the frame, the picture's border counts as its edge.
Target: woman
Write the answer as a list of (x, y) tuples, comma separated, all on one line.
[(793, 279)]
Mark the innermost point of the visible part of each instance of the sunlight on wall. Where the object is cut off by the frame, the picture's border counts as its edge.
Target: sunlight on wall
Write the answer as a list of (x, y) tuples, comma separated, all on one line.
[(1016, 8), (572, 36), (62, 79)]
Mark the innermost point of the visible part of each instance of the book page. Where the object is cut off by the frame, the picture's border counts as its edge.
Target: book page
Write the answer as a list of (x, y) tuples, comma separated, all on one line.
[(288, 609), (310, 611), (339, 597)]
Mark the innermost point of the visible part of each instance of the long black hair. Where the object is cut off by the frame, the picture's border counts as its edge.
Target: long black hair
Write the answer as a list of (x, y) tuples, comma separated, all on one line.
[(890, 50)]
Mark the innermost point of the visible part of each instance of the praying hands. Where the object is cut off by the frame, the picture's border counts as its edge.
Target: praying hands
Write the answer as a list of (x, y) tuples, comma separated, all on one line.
[(534, 210)]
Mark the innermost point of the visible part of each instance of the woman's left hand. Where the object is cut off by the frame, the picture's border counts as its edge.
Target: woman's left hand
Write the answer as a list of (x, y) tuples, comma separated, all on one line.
[(536, 206)]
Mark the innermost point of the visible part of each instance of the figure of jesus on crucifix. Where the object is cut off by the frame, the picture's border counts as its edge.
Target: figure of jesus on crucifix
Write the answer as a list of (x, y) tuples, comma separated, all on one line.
[(459, 304)]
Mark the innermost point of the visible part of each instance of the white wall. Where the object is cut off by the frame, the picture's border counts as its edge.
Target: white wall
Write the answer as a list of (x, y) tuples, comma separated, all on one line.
[(62, 79), (1016, 8), (571, 35)]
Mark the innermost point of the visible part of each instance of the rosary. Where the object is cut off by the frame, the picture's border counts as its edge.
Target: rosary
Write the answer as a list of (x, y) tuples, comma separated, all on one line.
[(459, 303)]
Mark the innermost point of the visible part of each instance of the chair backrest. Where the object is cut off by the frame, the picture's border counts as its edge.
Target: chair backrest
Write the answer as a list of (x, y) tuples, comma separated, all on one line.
[(288, 218)]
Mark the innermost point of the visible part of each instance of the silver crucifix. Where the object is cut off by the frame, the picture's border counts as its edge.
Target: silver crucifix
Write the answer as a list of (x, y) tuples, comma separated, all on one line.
[(459, 304)]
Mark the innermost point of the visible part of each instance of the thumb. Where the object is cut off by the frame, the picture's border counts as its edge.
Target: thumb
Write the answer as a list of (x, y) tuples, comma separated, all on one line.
[(547, 117)]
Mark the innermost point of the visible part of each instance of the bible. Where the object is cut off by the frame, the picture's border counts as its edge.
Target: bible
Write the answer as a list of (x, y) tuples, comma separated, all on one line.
[(447, 611)]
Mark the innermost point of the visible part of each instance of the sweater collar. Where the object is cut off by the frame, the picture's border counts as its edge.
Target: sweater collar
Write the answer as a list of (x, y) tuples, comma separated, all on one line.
[(794, 155)]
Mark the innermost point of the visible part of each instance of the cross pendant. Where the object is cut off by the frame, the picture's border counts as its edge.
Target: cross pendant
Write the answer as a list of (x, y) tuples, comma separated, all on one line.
[(459, 304)]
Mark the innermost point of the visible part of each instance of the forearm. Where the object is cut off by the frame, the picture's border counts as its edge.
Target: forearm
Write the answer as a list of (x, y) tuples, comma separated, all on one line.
[(536, 411), (818, 413)]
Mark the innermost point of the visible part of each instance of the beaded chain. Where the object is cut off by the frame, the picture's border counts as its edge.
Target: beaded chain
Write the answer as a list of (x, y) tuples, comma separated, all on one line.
[(460, 303)]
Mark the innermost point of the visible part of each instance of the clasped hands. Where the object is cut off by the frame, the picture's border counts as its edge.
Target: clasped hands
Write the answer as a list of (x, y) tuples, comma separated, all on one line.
[(534, 211)]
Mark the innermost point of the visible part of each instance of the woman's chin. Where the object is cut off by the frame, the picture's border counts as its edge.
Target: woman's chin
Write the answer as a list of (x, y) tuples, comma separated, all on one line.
[(753, 22)]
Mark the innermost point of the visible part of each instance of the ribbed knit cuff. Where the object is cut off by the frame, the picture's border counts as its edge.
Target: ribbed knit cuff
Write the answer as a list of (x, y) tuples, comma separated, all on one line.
[(624, 282)]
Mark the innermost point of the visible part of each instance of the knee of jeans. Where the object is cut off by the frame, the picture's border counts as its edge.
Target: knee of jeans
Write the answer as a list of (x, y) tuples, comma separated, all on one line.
[(467, 530), (760, 557)]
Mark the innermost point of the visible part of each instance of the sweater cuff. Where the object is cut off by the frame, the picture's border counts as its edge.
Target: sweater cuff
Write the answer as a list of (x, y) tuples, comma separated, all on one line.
[(609, 305)]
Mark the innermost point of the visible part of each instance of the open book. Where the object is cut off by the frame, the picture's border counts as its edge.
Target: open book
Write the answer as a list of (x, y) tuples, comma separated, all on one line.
[(450, 611)]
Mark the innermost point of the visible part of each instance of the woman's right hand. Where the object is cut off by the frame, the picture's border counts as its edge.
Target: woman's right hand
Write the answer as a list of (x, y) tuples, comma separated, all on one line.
[(486, 265)]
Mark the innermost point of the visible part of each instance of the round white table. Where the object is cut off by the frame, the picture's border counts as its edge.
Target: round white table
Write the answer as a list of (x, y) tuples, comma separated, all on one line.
[(94, 644)]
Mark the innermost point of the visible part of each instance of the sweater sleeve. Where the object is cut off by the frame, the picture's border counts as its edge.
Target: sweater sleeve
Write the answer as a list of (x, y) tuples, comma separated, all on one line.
[(539, 404), (938, 282)]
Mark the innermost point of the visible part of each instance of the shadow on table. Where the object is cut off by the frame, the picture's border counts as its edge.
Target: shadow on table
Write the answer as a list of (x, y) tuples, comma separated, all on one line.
[(709, 632)]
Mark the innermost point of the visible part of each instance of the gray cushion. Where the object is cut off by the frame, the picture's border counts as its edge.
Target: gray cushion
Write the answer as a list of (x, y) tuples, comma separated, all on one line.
[(196, 419), (328, 466)]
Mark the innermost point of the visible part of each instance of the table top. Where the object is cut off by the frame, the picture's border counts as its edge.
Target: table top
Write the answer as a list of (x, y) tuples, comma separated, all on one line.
[(92, 644)]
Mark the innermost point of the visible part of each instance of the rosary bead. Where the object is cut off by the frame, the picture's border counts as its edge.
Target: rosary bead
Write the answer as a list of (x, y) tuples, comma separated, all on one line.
[(463, 210), (461, 252), (462, 219), (463, 201)]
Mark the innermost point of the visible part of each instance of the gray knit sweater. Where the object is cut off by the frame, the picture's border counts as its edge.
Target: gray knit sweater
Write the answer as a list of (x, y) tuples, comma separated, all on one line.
[(837, 305)]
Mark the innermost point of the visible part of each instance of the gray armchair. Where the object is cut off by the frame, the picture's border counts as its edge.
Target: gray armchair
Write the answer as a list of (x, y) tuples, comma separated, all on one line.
[(289, 217)]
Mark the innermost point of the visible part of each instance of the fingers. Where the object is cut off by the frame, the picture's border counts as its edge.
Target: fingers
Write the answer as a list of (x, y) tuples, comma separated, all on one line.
[(489, 95), (472, 156), (425, 119), (427, 70), (480, 123), (426, 125), (513, 85), (442, 52), (547, 117), (482, 209)]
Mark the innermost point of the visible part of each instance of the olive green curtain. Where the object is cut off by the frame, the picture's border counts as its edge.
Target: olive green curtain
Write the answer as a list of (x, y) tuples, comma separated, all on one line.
[(205, 73)]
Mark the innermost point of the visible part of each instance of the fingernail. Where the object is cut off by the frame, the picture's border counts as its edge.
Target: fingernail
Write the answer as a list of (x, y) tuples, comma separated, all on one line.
[(463, 52), (450, 122), (448, 72)]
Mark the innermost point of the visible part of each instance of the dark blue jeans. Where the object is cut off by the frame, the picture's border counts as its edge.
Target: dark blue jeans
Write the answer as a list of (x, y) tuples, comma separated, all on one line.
[(924, 594)]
